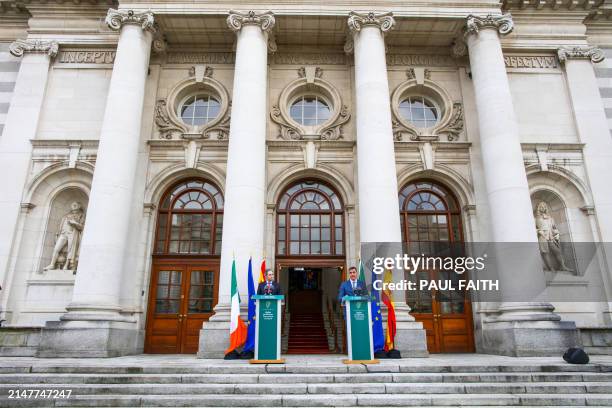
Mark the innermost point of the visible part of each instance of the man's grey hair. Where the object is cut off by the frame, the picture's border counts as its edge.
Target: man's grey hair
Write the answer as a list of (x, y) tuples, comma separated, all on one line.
[(268, 271)]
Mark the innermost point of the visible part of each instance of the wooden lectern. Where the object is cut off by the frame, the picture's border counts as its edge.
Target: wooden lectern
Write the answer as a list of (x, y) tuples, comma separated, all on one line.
[(268, 329), (359, 330)]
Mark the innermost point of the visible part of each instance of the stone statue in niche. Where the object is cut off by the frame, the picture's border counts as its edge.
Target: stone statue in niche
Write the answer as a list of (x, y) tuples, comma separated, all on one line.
[(549, 239), (66, 249)]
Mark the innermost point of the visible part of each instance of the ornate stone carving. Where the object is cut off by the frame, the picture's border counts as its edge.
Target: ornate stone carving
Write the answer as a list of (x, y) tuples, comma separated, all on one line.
[(454, 127), (309, 82), (167, 128), (549, 239), (410, 73), (67, 241), (19, 47), (502, 23), (115, 19), (384, 21), (459, 48), (318, 72), (208, 71), (169, 123), (236, 20), (594, 54)]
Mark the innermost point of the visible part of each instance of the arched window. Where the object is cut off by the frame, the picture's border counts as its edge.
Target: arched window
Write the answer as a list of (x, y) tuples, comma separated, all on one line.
[(190, 219), (431, 225), (309, 221), (431, 220)]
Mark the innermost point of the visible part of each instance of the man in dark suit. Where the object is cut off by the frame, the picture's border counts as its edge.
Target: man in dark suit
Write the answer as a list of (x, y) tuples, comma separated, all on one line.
[(269, 287), (348, 287)]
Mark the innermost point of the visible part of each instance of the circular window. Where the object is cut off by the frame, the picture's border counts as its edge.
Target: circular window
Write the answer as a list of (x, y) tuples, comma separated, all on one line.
[(310, 111), (419, 111), (198, 110)]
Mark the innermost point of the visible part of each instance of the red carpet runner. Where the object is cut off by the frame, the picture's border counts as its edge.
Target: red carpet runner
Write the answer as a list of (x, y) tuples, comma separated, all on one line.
[(307, 334)]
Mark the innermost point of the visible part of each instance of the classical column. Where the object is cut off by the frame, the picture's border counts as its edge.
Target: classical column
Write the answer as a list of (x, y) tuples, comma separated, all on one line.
[(525, 324), (95, 306), (15, 147), (245, 185), (379, 220), (593, 131)]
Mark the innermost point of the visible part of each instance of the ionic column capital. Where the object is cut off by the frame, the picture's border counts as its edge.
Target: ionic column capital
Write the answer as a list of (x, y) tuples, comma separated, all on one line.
[(384, 21), (115, 19), (503, 24), (237, 19), (20, 47), (594, 54)]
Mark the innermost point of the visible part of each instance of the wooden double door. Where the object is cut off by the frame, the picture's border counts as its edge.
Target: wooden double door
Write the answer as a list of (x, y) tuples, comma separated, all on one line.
[(446, 314), (182, 296)]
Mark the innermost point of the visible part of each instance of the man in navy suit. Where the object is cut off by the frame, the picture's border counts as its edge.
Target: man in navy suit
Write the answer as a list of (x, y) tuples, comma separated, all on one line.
[(269, 287), (348, 287)]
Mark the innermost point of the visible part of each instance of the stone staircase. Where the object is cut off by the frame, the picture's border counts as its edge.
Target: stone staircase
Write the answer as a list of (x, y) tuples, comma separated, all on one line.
[(202, 383)]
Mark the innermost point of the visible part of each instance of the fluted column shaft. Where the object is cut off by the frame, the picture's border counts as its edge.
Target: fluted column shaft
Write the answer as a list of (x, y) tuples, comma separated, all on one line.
[(379, 220), (245, 186), (105, 235), (15, 146), (518, 261)]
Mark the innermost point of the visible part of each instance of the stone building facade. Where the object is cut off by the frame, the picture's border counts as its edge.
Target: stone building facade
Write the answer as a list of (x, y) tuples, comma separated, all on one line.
[(145, 146)]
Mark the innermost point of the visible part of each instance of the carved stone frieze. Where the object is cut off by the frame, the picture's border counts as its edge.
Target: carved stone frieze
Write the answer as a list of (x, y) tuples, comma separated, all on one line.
[(502, 23), (19, 47), (384, 21), (236, 20), (594, 54), (115, 19)]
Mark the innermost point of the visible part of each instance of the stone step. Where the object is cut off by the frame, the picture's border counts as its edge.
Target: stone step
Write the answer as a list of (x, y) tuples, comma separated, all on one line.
[(239, 367), (87, 378), (303, 388), (372, 400)]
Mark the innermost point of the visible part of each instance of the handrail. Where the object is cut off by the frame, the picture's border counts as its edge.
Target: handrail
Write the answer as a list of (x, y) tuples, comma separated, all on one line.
[(332, 324)]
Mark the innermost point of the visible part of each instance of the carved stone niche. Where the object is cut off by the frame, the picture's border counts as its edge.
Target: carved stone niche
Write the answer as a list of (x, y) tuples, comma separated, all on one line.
[(450, 120), (310, 83), (167, 111)]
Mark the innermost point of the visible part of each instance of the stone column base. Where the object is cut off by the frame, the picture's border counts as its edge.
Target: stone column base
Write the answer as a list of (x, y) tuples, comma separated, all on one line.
[(90, 339), (411, 339), (529, 338), (214, 335)]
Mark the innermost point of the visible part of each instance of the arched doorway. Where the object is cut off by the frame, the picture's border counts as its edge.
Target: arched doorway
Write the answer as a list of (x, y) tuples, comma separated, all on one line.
[(310, 262), (185, 271), (431, 225)]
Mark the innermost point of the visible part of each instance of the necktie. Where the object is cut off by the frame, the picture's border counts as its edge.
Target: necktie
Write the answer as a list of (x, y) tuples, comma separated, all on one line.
[(354, 284)]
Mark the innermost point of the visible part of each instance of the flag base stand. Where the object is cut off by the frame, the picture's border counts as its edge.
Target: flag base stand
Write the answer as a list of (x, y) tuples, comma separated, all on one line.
[(346, 361), (281, 361)]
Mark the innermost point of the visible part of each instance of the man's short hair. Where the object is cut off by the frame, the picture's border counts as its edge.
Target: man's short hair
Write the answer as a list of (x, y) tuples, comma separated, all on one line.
[(268, 271), (353, 267)]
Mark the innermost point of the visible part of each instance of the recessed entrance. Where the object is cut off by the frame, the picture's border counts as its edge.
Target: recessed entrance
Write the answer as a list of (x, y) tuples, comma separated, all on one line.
[(314, 325)]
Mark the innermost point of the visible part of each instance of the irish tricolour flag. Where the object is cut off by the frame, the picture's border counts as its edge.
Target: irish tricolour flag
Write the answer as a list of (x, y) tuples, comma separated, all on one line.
[(238, 329)]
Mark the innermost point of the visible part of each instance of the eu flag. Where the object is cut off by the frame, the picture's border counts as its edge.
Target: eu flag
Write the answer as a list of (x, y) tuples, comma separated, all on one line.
[(250, 341), (378, 335)]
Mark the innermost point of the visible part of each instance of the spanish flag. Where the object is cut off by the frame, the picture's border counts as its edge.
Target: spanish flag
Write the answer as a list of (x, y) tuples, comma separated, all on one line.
[(262, 272), (387, 298), (238, 329)]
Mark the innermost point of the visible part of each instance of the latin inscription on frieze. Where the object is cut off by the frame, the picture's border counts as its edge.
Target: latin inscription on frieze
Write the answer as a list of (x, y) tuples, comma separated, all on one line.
[(86, 57), (200, 58), (531, 61), (308, 59), (426, 60)]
